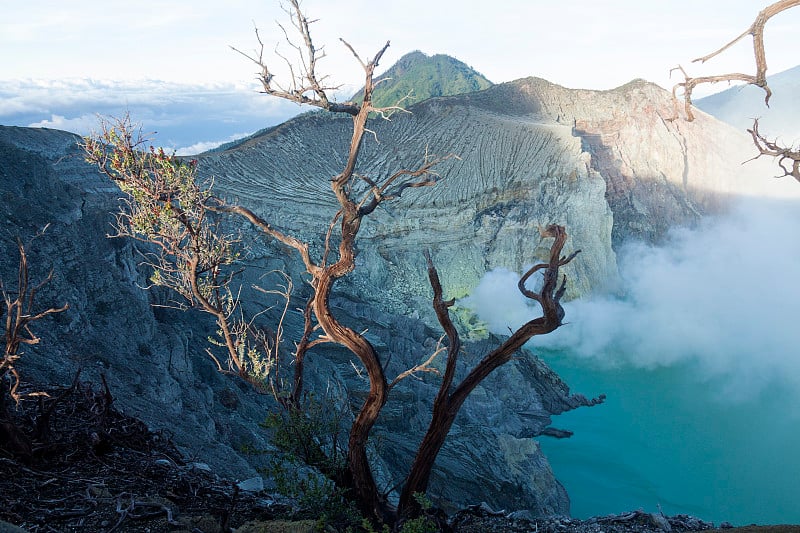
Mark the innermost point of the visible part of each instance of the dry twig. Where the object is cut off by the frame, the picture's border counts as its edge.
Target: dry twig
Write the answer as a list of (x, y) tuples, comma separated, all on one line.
[(758, 79), (19, 309)]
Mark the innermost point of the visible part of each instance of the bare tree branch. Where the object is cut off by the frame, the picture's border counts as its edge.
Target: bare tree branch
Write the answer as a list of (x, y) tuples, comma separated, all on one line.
[(301, 247), (442, 309), (170, 208), (788, 158), (759, 79), (18, 306), (450, 398), (424, 176), (305, 86), (424, 366)]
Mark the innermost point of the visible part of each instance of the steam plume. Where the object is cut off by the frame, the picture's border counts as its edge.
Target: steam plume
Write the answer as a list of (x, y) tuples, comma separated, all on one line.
[(724, 298)]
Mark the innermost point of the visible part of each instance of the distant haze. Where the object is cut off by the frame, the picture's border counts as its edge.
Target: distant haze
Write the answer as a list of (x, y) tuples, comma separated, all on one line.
[(187, 118), (575, 43), (172, 67), (741, 104)]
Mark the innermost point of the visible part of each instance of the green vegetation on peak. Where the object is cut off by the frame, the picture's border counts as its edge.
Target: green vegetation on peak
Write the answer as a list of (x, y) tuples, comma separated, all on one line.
[(415, 74), (422, 77)]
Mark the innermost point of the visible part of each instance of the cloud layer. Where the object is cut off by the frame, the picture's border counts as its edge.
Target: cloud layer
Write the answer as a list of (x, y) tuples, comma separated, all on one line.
[(188, 118)]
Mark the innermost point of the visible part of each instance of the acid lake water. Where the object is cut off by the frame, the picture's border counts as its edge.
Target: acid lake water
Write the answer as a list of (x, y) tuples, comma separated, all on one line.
[(697, 349), (665, 439)]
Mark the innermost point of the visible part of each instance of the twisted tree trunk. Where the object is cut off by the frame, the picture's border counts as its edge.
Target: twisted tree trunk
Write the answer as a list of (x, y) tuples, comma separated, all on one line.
[(450, 398), (359, 470)]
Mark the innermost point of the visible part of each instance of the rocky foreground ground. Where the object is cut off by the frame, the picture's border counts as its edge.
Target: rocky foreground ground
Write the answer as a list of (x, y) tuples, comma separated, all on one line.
[(71, 462)]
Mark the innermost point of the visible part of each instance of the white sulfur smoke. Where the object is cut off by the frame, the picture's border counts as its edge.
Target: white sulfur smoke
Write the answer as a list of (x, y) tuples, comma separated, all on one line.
[(724, 298)]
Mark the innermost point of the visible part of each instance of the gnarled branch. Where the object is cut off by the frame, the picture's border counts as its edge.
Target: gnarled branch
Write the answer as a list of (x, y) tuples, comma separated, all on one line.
[(304, 86), (393, 187), (424, 366), (759, 79), (451, 397), (18, 306), (788, 158)]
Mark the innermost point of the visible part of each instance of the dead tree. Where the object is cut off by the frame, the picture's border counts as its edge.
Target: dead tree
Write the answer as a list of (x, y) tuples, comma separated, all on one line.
[(18, 312), (199, 263), (787, 156), (789, 159), (307, 87), (451, 396)]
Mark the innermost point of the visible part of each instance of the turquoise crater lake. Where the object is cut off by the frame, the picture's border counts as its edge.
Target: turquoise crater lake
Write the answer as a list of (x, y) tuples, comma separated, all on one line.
[(666, 439)]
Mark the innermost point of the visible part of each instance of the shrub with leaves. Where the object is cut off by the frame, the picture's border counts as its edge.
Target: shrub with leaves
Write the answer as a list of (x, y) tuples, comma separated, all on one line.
[(190, 252)]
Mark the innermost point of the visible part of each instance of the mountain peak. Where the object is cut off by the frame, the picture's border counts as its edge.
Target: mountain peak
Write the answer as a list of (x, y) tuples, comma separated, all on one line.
[(419, 76)]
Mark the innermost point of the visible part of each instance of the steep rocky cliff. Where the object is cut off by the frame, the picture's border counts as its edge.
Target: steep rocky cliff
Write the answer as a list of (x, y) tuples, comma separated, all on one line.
[(608, 165), (154, 357), (149, 355)]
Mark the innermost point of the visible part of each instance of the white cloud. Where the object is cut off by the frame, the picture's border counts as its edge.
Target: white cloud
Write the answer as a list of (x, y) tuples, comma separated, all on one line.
[(204, 146), (573, 44), (82, 124), (181, 114)]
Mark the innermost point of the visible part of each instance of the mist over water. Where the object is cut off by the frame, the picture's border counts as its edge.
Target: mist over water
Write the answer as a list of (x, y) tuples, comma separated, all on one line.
[(700, 358), (725, 297)]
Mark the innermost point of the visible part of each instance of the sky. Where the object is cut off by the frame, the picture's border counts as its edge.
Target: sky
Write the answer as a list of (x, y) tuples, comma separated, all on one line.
[(58, 56)]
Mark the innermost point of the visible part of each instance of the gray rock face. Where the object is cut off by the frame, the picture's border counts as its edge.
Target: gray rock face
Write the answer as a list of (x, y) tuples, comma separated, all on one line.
[(513, 176), (607, 165), (153, 357)]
